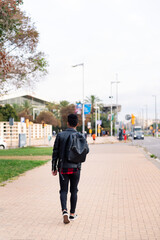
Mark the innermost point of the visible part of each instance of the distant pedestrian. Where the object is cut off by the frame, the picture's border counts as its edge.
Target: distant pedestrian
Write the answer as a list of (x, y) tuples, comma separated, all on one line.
[(153, 133), (120, 134), (68, 171), (124, 135), (94, 137)]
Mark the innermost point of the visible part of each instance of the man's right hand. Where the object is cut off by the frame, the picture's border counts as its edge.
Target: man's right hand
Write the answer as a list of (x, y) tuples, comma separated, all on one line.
[(54, 173)]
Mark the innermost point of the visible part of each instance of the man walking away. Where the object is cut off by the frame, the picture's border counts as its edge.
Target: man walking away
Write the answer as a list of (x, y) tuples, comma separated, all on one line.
[(68, 172)]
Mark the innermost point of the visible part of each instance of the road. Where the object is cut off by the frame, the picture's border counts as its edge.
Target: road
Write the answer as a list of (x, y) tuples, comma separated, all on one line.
[(151, 144)]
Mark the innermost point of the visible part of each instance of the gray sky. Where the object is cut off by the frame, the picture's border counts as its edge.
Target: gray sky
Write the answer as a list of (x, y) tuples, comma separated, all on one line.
[(109, 37)]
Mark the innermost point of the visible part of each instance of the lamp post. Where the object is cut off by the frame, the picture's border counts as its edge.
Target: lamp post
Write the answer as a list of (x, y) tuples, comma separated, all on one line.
[(156, 115), (83, 117), (96, 120), (112, 82), (111, 106), (117, 97)]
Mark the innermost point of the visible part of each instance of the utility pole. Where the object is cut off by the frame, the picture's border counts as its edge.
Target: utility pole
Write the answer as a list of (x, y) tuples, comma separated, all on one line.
[(83, 116), (99, 121), (156, 132), (111, 107), (96, 120)]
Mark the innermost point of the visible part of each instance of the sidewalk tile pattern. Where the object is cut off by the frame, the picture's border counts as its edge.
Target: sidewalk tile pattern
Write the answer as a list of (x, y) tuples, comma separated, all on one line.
[(118, 199)]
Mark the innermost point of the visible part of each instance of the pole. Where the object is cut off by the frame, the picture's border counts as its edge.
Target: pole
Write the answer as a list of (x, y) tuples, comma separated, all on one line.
[(117, 101), (96, 121), (111, 109), (99, 121), (147, 117), (156, 115), (83, 116), (156, 132)]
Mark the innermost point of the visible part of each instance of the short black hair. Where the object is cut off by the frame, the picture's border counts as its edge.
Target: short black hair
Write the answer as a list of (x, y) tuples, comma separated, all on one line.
[(72, 120)]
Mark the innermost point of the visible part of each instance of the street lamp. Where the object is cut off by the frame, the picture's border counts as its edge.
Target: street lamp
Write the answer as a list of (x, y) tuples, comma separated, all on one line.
[(97, 109), (83, 117), (116, 95), (111, 106), (155, 114)]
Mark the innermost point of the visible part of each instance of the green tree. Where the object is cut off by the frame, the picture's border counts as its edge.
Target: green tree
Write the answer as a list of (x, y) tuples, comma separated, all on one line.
[(64, 103), (18, 108), (93, 100), (20, 62), (26, 111), (7, 112)]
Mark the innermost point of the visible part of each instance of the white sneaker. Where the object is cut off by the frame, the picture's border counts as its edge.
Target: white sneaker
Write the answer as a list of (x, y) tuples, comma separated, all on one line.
[(66, 217), (72, 218)]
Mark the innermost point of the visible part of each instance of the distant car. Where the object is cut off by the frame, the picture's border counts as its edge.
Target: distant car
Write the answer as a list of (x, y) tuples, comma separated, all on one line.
[(3, 144), (138, 135)]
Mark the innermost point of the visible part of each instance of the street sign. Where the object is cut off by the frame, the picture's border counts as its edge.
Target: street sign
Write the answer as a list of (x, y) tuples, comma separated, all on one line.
[(79, 108), (87, 108), (109, 117), (11, 121), (99, 122), (22, 120), (128, 117), (89, 125)]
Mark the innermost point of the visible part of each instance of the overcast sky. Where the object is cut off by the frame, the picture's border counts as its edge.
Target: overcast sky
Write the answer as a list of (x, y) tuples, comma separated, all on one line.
[(109, 37)]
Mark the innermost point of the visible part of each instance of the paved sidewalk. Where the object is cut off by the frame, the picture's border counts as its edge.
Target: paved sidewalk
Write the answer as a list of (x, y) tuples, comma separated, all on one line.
[(119, 199)]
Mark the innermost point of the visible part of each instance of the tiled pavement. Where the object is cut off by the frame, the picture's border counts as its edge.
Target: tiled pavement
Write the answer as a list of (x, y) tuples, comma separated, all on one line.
[(119, 199)]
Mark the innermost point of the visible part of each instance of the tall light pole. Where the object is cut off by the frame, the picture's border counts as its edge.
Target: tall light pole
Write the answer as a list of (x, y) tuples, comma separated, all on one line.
[(156, 114), (111, 106), (83, 117), (116, 98), (146, 106), (96, 120)]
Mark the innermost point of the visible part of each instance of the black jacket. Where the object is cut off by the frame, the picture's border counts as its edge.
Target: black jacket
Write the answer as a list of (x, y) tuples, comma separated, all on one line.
[(60, 151)]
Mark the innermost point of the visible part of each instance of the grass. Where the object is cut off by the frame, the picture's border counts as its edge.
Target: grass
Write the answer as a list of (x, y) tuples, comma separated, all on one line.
[(27, 151), (13, 168), (153, 156)]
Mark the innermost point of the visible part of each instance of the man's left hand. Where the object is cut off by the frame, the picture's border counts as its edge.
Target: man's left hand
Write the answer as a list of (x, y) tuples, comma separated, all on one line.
[(54, 173)]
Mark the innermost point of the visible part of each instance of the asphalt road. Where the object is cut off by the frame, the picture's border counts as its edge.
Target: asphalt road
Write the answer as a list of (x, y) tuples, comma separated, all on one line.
[(151, 144)]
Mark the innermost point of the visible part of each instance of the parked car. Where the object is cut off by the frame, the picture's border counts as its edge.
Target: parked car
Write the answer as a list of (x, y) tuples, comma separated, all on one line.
[(3, 144), (138, 135)]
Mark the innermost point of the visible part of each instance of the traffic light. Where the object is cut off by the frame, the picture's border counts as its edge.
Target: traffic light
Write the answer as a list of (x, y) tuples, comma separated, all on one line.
[(133, 119)]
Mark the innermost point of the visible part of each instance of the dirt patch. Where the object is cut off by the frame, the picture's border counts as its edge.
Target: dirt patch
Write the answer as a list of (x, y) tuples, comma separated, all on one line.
[(27, 157)]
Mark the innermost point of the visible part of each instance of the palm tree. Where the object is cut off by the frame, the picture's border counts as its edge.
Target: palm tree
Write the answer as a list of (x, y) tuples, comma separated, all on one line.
[(27, 107), (18, 108), (93, 100)]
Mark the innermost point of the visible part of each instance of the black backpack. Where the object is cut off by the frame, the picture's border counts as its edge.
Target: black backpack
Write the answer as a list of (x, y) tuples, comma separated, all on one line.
[(78, 148)]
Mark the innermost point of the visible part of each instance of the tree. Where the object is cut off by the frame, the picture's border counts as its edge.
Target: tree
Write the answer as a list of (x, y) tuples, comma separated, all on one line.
[(18, 108), (65, 111), (64, 103), (19, 59), (25, 110), (93, 100), (7, 112), (48, 118)]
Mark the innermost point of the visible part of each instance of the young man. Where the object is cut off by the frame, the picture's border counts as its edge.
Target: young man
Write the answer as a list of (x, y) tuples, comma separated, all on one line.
[(68, 172)]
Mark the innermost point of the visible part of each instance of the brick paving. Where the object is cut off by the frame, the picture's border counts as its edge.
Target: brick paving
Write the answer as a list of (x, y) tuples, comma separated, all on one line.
[(119, 199)]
